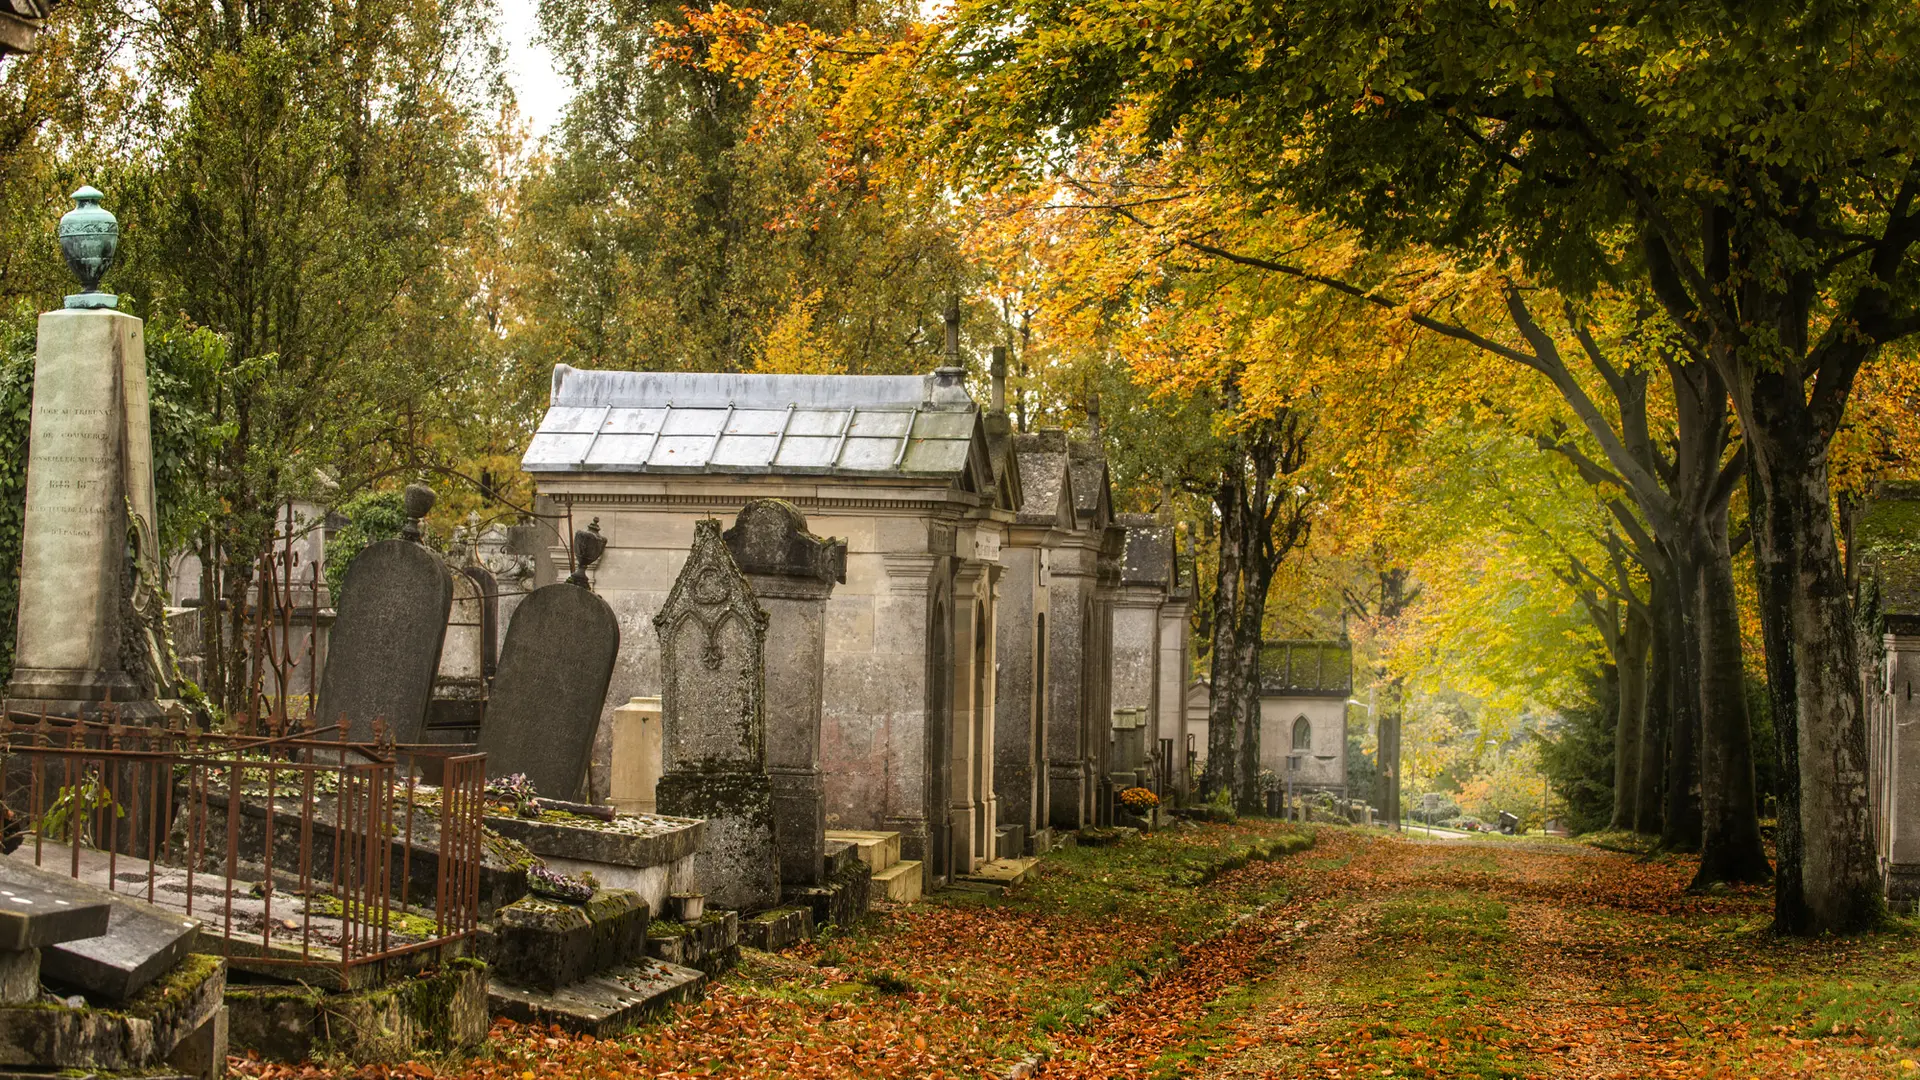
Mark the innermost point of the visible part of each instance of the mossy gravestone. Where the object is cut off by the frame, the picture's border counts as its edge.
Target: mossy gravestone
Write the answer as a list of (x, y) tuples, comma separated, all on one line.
[(714, 726), (546, 699), (384, 649), (792, 573)]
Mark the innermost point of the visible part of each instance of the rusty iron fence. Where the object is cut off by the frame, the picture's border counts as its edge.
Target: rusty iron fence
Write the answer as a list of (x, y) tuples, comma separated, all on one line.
[(292, 847), (283, 633)]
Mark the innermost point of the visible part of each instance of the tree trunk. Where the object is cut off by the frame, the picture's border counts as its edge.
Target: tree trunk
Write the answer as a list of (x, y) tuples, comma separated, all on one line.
[(1223, 735), (1839, 869), (1730, 846), (1632, 665), (1389, 779), (1773, 560), (1649, 816), (1680, 824), (1257, 573)]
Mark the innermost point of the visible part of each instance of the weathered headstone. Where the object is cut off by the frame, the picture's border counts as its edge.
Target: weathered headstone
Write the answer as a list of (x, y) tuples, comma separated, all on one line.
[(547, 695), (83, 637), (712, 634), (792, 573), (385, 646)]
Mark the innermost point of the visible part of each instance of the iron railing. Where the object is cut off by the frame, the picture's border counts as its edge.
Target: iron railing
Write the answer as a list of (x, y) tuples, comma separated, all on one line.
[(297, 849)]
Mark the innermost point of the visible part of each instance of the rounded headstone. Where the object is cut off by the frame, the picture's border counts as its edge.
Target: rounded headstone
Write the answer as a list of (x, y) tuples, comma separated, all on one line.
[(384, 649), (545, 705)]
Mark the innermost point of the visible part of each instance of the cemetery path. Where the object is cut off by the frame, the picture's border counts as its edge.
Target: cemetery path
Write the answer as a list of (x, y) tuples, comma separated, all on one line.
[(1502, 958), (1365, 956)]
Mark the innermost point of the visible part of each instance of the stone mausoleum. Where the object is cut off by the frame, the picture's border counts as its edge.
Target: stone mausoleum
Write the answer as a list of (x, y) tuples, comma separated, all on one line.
[(897, 466), (1304, 687), (1888, 610)]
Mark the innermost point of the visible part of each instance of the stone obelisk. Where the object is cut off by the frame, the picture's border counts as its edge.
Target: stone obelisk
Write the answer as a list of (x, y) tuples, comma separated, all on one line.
[(89, 527)]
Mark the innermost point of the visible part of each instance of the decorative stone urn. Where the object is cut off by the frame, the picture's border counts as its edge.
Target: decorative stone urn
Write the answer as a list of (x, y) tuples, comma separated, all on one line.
[(588, 546), (419, 500), (89, 237)]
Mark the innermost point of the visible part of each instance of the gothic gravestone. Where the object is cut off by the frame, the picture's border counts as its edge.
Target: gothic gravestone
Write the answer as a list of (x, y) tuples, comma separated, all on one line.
[(385, 645), (792, 573), (713, 722), (546, 699)]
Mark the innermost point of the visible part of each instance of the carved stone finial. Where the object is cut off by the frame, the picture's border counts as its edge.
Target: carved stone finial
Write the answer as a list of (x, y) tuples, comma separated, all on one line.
[(419, 500)]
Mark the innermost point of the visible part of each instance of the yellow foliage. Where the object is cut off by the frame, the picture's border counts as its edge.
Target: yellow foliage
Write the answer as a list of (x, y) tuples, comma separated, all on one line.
[(792, 348)]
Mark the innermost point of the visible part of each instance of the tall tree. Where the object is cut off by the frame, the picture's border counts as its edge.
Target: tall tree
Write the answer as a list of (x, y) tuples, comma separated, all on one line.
[(676, 225), (300, 174), (1735, 162)]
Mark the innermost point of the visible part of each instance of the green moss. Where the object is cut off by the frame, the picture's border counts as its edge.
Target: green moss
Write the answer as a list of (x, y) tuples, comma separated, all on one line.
[(399, 921), (167, 991), (429, 1001), (512, 853)]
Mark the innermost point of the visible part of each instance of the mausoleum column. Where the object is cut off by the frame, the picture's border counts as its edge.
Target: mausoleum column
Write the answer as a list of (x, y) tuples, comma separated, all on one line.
[(1071, 641), (1902, 776), (1172, 690), (913, 702), (971, 736)]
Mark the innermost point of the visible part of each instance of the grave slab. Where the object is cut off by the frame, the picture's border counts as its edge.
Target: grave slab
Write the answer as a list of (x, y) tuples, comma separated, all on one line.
[(39, 908), (544, 708), (137, 1036), (711, 944), (141, 944), (781, 928), (440, 1011)]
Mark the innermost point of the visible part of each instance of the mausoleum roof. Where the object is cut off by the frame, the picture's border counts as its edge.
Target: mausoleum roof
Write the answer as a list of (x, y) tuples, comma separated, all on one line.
[(1048, 491), (1149, 558), (840, 425), (1887, 538), (1306, 668), (1088, 463)]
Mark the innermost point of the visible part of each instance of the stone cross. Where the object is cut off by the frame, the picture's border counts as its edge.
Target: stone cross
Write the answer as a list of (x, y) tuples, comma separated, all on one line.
[(792, 573), (552, 684), (714, 727)]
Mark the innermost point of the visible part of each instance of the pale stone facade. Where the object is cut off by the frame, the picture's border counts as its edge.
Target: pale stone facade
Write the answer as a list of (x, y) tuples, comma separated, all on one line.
[(898, 467)]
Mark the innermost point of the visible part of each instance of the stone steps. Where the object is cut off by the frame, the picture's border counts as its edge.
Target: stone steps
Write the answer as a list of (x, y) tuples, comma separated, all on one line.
[(901, 882), (1002, 873), (606, 1003), (879, 850)]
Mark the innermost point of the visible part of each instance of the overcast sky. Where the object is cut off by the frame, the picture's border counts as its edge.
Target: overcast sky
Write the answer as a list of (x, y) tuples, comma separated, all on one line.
[(542, 92)]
